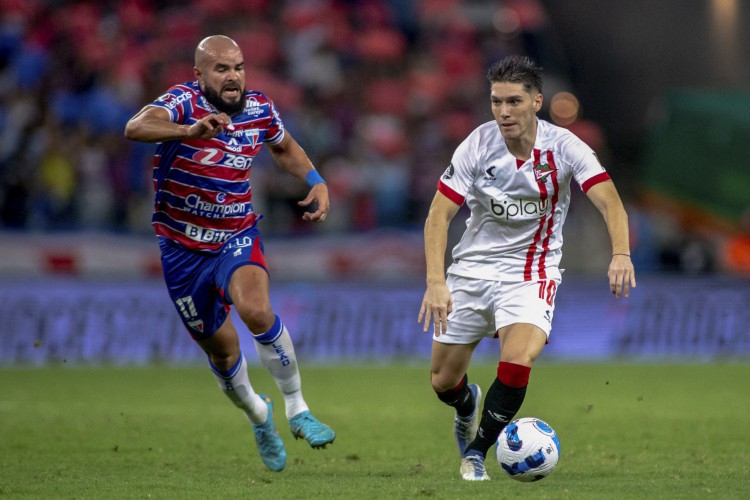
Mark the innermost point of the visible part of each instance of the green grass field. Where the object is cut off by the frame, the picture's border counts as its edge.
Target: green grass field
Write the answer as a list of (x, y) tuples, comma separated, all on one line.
[(627, 431)]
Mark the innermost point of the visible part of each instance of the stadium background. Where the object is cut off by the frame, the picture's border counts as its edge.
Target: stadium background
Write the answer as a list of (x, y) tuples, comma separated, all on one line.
[(379, 93)]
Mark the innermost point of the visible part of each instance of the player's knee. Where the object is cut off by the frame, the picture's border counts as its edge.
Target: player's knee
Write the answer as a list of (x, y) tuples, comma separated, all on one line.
[(442, 383), (224, 359), (522, 359), (258, 318)]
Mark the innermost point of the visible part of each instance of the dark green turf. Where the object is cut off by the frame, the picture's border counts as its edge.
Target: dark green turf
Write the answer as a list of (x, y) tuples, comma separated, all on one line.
[(627, 431)]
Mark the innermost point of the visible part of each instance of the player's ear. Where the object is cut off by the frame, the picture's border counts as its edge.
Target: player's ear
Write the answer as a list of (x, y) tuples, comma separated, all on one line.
[(538, 101), (197, 72)]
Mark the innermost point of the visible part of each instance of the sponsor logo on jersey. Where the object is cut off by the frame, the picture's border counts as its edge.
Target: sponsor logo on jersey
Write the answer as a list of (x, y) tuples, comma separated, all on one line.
[(542, 171), (253, 107), (213, 156), (171, 101), (197, 206), (510, 209), (449, 172), (208, 156), (233, 145), (205, 235)]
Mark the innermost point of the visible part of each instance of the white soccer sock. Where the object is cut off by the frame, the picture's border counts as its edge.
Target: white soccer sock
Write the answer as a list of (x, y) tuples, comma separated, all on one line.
[(236, 385), (276, 352)]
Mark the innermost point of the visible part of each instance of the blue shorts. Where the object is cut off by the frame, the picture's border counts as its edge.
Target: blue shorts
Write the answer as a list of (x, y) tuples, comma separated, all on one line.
[(198, 281)]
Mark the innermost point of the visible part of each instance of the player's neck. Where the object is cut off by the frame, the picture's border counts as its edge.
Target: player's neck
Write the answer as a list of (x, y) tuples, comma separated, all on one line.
[(522, 146)]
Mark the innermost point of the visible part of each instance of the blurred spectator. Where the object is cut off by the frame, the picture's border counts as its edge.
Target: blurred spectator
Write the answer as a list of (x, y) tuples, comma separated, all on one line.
[(56, 183), (379, 91)]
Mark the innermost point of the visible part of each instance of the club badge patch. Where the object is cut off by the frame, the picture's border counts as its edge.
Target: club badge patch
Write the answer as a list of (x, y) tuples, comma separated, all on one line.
[(542, 171)]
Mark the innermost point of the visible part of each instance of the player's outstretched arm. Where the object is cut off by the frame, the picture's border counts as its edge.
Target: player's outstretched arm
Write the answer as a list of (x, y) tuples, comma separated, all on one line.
[(437, 302), (621, 272), (291, 157), (152, 124)]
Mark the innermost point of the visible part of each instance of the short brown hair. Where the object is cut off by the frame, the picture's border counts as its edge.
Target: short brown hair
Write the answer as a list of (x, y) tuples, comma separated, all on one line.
[(516, 69)]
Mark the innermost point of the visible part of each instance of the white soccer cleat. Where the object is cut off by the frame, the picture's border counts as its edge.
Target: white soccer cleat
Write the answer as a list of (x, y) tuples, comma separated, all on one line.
[(465, 428), (472, 468)]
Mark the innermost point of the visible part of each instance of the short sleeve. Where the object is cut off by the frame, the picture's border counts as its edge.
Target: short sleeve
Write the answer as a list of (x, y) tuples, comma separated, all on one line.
[(587, 170), (275, 131), (458, 178), (178, 101)]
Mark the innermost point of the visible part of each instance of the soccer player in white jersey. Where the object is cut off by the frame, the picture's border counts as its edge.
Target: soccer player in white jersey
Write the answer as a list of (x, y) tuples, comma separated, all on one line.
[(514, 173)]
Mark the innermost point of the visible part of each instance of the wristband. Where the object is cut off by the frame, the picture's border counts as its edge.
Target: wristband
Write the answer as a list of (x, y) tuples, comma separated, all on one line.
[(313, 177), (625, 254)]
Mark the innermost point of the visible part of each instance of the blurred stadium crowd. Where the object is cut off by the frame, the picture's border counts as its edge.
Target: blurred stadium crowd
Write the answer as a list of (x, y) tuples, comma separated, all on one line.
[(378, 92)]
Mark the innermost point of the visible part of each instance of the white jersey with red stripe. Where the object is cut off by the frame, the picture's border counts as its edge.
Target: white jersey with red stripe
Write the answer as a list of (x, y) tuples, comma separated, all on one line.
[(514, 231), (203, 192)]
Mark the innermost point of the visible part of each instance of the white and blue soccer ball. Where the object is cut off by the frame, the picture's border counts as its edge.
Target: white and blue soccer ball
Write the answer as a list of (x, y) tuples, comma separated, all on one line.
[(528, 449)]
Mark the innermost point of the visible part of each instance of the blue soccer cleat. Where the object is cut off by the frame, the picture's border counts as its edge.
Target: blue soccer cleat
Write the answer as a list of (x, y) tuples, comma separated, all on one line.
[(304, 425), (472, 467), (465, 428), (270, 445)]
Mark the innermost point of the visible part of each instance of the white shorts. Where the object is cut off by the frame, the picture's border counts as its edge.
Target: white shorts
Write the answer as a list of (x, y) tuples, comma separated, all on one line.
[(482, 307)]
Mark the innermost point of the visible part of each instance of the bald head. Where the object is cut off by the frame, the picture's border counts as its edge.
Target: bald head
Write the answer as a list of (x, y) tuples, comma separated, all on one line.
[(211, 48), (220, 71)]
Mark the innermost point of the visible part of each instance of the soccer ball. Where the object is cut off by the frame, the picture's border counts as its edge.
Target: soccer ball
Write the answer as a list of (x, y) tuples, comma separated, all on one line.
[(528, 449)]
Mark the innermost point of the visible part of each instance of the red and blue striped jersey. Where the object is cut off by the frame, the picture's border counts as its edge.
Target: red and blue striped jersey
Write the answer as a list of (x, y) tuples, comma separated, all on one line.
[(203, 191)]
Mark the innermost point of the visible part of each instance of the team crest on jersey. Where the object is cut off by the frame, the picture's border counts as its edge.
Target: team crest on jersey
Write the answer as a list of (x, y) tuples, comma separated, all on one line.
[(449, 172), (542, 171), (252, 135)]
